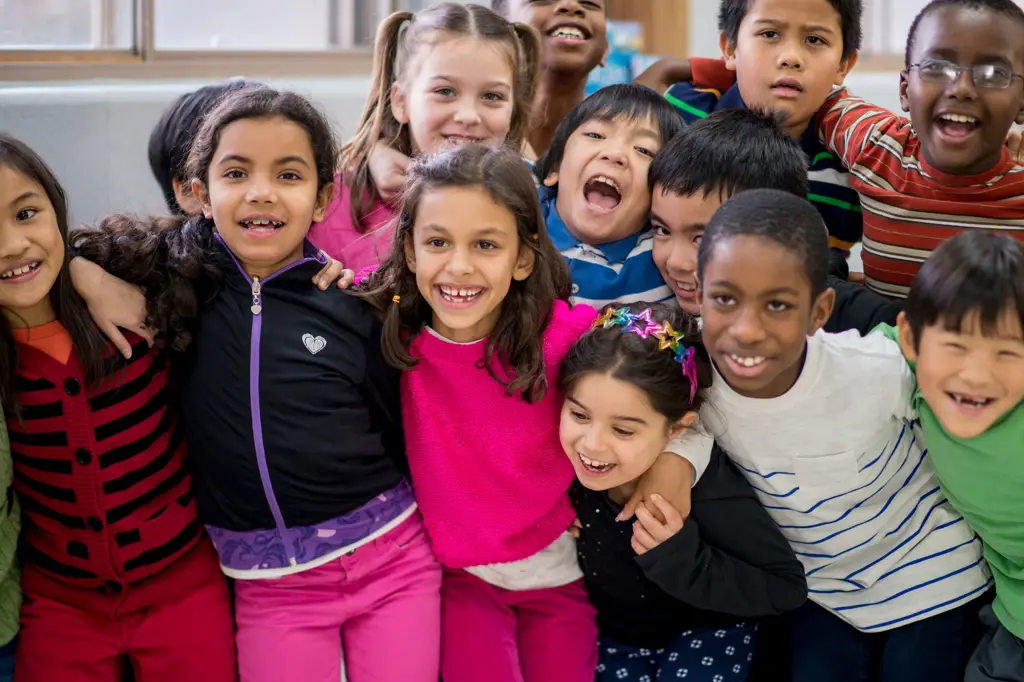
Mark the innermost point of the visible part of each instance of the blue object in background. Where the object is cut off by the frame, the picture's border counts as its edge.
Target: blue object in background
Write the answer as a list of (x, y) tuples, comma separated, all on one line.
[(625, 60)]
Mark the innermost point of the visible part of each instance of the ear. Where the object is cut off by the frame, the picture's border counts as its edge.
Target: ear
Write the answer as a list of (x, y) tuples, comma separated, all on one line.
[(323, 200), (700, 295), (184, 196), (846, 66), (905, 100), (199, 190), (821, 310), (728, 52), (604, 57), (524, 265), (552, 179), (1020, 114), (399, 105), (907, 341), (410, 254), (686, 422)]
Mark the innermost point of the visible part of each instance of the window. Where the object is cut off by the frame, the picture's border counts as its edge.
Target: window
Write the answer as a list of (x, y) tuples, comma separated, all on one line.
[(61, 39)]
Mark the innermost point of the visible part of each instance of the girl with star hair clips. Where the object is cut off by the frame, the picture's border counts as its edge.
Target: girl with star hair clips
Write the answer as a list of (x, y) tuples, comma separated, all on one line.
[(672, 599)]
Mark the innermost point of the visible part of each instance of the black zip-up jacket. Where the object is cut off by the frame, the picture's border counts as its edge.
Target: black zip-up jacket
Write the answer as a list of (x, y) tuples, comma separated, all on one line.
[(729, 562), (292, 416)]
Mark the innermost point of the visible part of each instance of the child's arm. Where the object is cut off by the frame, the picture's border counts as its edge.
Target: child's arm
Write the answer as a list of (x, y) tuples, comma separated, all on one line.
[(849, 126), (729, 556), (382, 387), (859, 308), (387, 170), (673, 474), (700, 72)]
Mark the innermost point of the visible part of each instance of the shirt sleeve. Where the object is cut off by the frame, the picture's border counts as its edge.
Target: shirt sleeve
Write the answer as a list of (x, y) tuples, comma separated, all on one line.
[(738, 562), (693, 445), (382, 386), (894, 371), (711, 73), (848, 125), (859, 308)]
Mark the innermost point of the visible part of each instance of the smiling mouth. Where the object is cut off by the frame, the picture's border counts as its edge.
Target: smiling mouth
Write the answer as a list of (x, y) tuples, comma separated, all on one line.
[(261, 225), (748, 361), (956, 125), (456, 140), (595, 466), (570, 33), (603, 193), (21, 271), (459, 294), (970, 402)]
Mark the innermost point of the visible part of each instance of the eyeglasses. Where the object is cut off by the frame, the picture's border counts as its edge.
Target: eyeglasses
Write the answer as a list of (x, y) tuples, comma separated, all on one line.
[(989, 76)]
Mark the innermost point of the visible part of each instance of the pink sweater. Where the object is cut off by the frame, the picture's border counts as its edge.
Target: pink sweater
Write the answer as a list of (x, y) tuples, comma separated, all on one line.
[(338, 236), (490, 475)]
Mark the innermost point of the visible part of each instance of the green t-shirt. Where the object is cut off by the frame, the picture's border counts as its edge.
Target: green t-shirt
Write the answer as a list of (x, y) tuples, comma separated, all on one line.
[(10, 526), (983, 478)]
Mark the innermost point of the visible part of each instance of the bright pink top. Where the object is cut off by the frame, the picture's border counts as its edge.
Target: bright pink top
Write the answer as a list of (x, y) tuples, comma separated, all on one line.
[(489, 472), (338, 236)]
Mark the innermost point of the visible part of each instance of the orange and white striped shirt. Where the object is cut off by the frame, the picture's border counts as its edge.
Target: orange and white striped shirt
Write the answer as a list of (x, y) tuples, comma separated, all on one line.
[(909, 206)]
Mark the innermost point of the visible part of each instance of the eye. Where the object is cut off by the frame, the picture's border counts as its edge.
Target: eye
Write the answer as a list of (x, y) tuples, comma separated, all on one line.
[(769, 34), (723, 300), (624, 433), (777, 307), (645, 151), (436, 243), (661, 231), (591, 5), (593, 135), (234, 174), (290, 175), (577, 415), (487, 246), (445, 92), (1009, 355), (494, 97), (698, 239), (25, 214), (816, 40), (954, 346)]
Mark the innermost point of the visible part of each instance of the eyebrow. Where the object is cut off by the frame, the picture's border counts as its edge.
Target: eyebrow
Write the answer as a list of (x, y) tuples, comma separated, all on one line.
[(488, 84), (283, 161), (621, 418), (27, 195), (482, 232), (655, 218), (815, 28)]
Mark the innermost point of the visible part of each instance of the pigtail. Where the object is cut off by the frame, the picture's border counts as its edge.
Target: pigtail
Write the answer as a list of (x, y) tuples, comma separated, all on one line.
[(528, 50), (377, 121)]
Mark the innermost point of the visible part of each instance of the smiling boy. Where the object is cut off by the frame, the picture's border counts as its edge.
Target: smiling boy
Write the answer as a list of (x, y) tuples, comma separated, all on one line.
[(788, 55)]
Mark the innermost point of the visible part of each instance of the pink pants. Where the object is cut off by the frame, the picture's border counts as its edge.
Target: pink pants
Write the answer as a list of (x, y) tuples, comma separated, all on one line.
[(380, 605), (524, 636)]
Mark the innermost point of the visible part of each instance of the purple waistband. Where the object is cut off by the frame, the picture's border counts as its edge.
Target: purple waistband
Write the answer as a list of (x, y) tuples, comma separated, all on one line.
[(255, 550)]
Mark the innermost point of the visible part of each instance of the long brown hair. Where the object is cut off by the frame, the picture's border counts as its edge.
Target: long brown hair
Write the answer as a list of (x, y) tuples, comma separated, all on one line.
[(398, 38), (91, 347), (516, 341)]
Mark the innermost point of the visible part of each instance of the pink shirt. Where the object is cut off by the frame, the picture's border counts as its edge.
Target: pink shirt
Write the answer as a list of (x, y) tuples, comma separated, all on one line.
[(338, 236), (489, 472)]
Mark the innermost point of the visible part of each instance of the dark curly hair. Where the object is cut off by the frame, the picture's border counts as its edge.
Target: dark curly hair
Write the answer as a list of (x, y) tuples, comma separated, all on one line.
[(638, 361), (517, 339), (91, 347), (171, 258)]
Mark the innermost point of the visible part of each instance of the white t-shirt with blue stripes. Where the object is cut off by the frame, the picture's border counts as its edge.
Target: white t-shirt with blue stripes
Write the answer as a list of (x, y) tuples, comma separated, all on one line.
[(839, 463), (622, 271)]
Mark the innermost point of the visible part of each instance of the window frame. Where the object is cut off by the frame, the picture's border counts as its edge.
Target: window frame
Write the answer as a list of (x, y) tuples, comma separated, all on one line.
[(143, 60)]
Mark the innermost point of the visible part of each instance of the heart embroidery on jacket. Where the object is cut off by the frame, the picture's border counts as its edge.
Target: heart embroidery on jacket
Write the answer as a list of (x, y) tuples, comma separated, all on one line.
[(314, 344)]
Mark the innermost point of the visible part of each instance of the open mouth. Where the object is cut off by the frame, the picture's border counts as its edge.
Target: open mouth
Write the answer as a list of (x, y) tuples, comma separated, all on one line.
[(459, 295), (603, 193), (969, 402), (787, 87), (21, 271), (594, 466), (457, 140), (748, 361), (570, 34), (956, 125), (261, 226)]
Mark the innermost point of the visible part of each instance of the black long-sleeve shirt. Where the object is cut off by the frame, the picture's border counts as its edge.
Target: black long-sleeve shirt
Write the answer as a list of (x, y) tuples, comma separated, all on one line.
[(859, 308), (728, 562)]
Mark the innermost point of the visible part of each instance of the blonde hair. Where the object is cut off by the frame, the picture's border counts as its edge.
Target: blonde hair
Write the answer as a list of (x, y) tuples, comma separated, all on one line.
[(398, 38)]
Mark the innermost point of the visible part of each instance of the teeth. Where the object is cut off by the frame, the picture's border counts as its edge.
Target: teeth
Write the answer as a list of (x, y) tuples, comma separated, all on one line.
[(19, 271), (261, 222), (967, 400), (594, 464), (747, 361), (459, 294), (685, 287), (958, 118), (608, 181), (569, 32)]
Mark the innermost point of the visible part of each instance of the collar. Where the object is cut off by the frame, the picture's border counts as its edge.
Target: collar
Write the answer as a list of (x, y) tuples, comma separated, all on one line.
[(615, 252), (732, 99)]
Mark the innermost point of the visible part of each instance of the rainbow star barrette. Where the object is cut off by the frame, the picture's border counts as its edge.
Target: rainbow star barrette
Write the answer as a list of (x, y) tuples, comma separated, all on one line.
[(644, 326)]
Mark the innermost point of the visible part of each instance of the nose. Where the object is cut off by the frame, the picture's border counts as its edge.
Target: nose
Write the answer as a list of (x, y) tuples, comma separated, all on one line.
[(460, 263), (467, 112), (592, 443), (963, 86), (791, 56), (260, 190), (682, 259), (977, 372), (570, 7), (614, 151), (748, 329), (13, 242)]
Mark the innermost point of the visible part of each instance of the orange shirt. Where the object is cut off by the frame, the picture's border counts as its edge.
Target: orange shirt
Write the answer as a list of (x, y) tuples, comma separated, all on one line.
[(51, 338)]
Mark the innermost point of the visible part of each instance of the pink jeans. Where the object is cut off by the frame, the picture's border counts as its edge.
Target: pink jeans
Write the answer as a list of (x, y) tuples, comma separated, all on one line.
[(380, 605), (501, 635)]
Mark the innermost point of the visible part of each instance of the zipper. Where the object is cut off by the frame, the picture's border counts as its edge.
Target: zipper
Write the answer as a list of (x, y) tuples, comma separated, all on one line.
[(254, 392)]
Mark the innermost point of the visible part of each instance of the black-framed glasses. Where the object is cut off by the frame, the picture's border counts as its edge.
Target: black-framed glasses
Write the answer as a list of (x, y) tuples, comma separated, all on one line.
[(989, 76)]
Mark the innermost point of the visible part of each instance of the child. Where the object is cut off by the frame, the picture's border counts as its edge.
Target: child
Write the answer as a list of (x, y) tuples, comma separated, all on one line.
[(674, 610), (474, 305), (116, 563), (821, 426), (728, 152), (172, 136), (596, 199), (573, 41), (963, 328), (447, 74), (788, 57), (292, 414), (946, 169)]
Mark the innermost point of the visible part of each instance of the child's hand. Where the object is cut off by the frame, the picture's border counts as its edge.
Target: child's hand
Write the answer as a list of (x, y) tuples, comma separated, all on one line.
[(1013, 143), (387, 169), (334, 270), (575, 528), (112, 302), (648, 531), (671, 476)]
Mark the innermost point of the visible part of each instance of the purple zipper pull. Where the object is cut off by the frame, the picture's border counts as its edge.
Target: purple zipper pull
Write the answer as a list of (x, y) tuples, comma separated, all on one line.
[(257, 307)]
